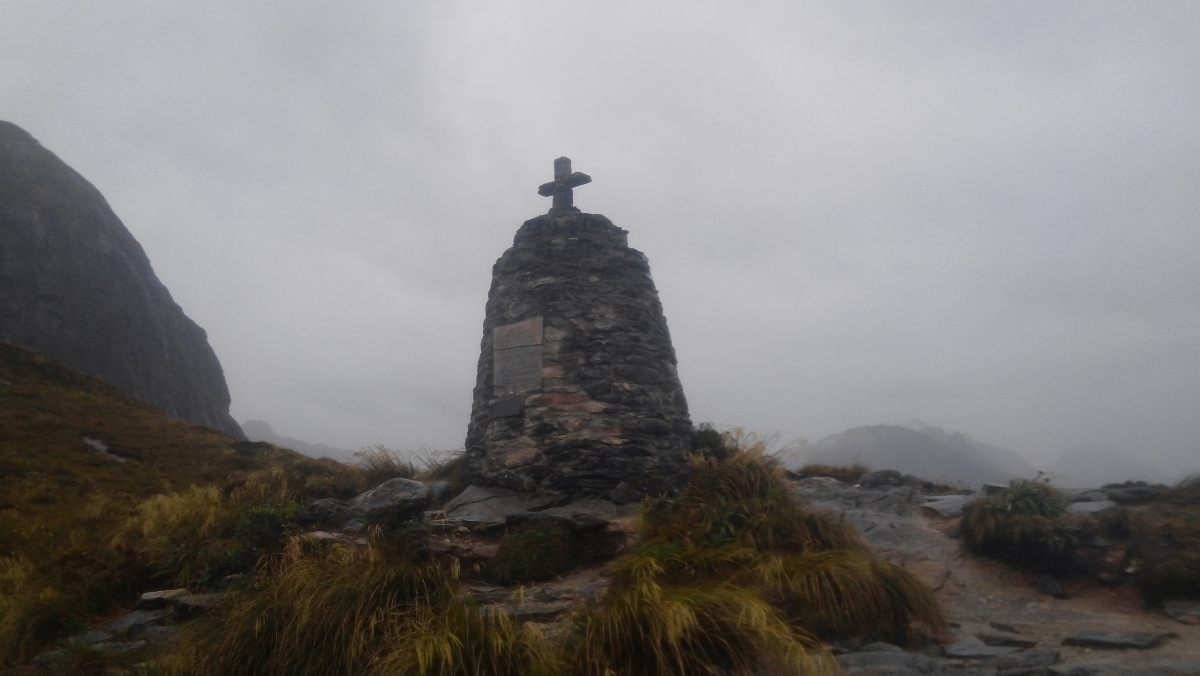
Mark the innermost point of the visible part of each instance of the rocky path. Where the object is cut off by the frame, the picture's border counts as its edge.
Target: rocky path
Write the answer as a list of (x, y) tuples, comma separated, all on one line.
[(1002, 624)]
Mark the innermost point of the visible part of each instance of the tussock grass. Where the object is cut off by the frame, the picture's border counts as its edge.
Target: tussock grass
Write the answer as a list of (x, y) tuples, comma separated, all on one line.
[(381, 463), (62, 502), (650, 628), (534, 553), (312, 613), (459, 640), (736, 576), (1022, 525)]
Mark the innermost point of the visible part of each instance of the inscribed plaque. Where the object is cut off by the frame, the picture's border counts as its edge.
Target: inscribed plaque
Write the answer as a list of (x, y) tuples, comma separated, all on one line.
[(508, 406), (518, 369), (528, 332)]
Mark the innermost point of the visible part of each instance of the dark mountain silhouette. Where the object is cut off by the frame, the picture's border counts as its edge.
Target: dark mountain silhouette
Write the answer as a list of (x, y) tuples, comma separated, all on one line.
[(76, 286)]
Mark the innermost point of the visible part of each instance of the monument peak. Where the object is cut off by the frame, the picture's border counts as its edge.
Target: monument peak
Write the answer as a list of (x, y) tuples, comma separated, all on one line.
[(562, 187), (576, 390)]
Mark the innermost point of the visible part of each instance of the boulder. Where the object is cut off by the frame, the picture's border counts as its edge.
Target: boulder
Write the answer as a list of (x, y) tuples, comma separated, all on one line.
[(328, 511), (393, 499)]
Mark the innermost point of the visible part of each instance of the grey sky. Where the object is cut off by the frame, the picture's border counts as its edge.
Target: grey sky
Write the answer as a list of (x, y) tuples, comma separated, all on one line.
[(982, 215)]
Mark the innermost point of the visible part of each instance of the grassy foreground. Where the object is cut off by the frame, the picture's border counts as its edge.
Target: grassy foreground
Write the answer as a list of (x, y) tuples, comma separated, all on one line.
[(733, 576)]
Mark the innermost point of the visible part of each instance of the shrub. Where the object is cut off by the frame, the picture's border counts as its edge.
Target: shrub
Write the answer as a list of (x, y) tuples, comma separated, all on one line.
[(1186, 492), (1168, 556), (707, 440), (1022, 525), (534, 553)]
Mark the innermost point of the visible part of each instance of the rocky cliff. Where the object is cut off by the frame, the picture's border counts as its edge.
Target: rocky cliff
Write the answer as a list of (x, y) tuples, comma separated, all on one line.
[(76, 286)]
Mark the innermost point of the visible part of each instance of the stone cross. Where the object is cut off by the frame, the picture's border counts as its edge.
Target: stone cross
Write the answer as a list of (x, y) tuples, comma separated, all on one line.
[(562, 184)]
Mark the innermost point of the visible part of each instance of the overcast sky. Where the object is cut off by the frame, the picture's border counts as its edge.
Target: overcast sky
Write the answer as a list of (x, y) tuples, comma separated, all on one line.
[(981, 215)]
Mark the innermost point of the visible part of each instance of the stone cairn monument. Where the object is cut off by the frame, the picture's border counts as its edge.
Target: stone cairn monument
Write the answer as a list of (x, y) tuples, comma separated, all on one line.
[(577, 390)]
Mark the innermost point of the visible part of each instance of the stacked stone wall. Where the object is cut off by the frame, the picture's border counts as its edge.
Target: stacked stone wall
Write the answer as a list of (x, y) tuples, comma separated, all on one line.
[(577, 389)]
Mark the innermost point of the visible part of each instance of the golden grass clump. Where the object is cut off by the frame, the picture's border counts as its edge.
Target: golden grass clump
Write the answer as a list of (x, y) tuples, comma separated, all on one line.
[(306, 613), (461, 640), (647, 627), (736, 576), (1165, 552), (381, 463)]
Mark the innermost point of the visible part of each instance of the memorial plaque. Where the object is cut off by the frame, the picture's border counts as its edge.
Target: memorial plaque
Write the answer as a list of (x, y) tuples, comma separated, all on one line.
[(528, 332), (518, 369)]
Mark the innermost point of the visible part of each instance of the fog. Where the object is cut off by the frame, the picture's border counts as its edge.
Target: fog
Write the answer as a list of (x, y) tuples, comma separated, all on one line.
[(981, 215)]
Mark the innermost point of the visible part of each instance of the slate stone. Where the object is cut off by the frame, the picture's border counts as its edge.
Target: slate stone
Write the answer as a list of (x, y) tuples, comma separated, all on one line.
[(328, 511), (394, 498), (1046, 584), (949, 506), (92, 636), (604, 414), (77, 287), (159, 599), (134, 622), (992, 636), (1187, 612), (887, 662), (161, 635), (1090, 507), (1117, 640), (484, 507), (1026, 661)]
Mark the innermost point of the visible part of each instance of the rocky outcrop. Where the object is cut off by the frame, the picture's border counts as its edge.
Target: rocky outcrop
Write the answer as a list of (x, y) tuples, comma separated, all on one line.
[(577, 390), (75, 285)]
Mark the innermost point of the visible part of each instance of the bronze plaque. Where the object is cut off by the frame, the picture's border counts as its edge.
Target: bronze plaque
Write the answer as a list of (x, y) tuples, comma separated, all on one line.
[(518, 369), (528, 332)]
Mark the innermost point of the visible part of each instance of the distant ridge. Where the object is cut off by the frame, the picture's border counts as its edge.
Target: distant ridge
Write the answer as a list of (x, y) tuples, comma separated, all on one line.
[(921, 450), (258, 430)]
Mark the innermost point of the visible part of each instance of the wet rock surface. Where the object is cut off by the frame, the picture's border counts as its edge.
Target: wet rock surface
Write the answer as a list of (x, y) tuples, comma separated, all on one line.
[(1003, 625)]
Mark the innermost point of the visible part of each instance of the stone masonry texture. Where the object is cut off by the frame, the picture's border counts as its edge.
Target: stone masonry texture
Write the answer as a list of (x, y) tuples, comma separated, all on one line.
[(76, 286), (603, 414)]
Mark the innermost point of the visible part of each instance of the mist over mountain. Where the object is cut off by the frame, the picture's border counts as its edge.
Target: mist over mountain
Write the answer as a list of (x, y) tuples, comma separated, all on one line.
[(922, 450), (258, 430), (1087, 466)]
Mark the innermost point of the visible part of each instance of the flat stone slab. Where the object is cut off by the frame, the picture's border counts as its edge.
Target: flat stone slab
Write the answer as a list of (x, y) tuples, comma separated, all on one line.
[(135, 621), (1118, 640), (1090, 507), (159, 599), (481, 507), (992, 636), (1187, 612), (966, 646), (948, 506), (1026, 660), (888, 662)]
